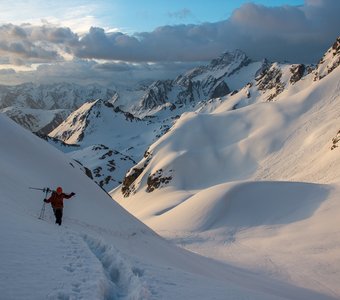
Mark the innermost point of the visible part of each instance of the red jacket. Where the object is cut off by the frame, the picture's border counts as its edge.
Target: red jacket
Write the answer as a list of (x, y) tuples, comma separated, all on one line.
[(57, 201)]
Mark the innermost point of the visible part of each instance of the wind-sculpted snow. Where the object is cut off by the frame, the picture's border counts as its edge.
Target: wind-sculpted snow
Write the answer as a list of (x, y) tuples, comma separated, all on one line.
[(254, 182), (243, 205), (100, 251), (230, 183)]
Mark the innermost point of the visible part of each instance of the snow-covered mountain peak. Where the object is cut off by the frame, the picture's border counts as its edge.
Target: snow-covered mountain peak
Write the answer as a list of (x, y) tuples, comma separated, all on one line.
[(228, 58), (276, 80), (329, 61), (213, 80), (223, 66), (221, 183), (90, 119), (52, 96), (42, 107)]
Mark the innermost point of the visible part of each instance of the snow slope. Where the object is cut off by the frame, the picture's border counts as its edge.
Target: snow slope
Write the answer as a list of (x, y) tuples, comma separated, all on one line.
[(100, 251), (100, 122), (109, 140), (256, 186)]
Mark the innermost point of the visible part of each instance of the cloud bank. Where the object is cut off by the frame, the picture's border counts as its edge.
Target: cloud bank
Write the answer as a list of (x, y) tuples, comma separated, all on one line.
[(287, 33), (280, 33)]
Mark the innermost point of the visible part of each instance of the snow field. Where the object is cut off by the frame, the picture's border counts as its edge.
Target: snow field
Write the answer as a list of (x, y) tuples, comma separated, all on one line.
[(273, 239), (256, 187), (100, 251)]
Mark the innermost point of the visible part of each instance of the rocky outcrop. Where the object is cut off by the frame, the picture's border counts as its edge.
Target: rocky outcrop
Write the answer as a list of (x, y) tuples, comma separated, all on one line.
[(157, 94), (76, 125), (130, 178), (129, 182), (107, 166), (270, 80), (335, 141), (220, 90), (199, 84), (298, 71), (158, 180), (329, 61)]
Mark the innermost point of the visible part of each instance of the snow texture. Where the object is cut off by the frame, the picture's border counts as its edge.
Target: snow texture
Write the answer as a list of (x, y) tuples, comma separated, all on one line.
[(254, 180), (100, 251)]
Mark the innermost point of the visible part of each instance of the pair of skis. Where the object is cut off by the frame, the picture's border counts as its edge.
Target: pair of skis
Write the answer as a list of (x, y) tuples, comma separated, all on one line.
[(46, 191)]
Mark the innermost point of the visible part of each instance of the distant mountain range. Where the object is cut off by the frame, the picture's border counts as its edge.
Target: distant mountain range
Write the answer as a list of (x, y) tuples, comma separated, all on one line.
[(41, 108), (266, 130), (235, 165), (100, 122)]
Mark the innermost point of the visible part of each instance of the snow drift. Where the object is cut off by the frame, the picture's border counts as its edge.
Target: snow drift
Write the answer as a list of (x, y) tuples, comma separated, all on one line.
[(100, 251), (252, 181)]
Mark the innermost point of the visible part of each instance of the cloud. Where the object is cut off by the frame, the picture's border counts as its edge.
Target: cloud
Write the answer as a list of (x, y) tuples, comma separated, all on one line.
[(28, 44), (101, 45), (113, 74), (7, 72), (294, 33)]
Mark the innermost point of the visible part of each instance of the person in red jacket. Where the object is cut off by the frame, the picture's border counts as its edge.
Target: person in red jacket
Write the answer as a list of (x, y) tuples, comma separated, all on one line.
[(57, 202)]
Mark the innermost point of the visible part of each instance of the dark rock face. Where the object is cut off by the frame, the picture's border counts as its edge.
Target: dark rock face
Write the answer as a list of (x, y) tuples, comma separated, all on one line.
[(157, 94), (270, 79), (128, 185), (129, 179), (105, 165), (220, 90), (335, 141), (264, 68), (56, 141), (156, 180), (199, 84), (25, 120), (298, 72), (336, 53), (329, 62)]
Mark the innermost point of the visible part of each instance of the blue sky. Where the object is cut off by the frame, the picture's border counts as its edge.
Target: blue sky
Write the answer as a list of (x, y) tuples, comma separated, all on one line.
[(146, 15), (128, 16)]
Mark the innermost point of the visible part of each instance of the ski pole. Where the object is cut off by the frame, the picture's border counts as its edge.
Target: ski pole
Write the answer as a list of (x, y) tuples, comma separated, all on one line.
[(42, 212), (46, 191)]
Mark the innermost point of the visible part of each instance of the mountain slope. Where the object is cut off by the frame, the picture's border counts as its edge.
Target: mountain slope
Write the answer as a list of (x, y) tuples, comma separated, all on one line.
[(229, 72), (99, 126), (43, 107), (100, 123), (201, 183), (100, 251), (36, 120)]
